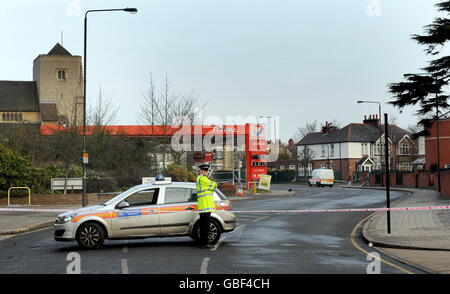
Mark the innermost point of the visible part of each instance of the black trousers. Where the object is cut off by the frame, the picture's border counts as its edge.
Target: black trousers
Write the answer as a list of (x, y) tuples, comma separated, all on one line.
[(204, 227)]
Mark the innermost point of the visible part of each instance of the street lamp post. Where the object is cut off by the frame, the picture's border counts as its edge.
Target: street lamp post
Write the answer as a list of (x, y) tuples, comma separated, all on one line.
[(85, 155), (379, 149)]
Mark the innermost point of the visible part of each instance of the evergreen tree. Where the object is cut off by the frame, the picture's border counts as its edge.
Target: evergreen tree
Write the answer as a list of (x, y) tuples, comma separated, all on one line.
[(428, 88)]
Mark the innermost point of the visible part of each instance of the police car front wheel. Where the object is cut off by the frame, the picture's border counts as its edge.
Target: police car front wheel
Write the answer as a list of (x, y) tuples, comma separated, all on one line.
[(90, 236)]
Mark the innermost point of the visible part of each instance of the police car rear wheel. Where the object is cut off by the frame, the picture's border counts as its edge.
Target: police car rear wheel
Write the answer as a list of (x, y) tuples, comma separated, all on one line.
[(90, 236)]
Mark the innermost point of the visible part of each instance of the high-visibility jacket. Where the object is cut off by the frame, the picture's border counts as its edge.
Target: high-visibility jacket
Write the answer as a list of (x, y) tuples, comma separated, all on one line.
[(205, 194)]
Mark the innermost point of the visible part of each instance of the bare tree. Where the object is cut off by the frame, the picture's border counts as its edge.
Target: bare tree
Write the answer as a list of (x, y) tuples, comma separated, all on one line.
[(305, 157), (310, 127), (103, 113), (166, 109)]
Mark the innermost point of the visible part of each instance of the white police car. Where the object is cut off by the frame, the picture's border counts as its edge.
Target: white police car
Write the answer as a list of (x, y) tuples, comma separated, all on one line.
[(159, 209)]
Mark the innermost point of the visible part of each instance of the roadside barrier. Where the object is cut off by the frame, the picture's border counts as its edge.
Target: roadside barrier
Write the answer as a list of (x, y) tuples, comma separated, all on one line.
[(442, 207), (17, 188)]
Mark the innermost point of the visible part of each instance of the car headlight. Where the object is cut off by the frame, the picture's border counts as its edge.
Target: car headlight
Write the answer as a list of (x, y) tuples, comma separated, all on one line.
[(64, 219)]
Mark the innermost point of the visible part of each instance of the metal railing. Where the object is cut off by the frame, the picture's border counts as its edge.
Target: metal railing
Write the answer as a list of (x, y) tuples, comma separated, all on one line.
[(17, 188)]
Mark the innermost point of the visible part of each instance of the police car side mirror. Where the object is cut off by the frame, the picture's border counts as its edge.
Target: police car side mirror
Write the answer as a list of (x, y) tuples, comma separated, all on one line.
[(123, 204)]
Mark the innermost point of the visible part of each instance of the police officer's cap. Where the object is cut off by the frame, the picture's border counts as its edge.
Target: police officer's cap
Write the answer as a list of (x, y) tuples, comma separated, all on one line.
[(204, 167)]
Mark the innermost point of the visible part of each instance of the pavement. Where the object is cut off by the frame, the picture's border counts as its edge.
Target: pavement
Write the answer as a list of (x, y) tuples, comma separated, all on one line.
[(418, 238)]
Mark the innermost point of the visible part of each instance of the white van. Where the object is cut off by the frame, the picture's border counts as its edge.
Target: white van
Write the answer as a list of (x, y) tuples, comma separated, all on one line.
[(322, 177)]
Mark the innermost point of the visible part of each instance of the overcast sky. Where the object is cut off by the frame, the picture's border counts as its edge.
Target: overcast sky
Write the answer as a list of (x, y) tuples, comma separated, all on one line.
[(299, 60)]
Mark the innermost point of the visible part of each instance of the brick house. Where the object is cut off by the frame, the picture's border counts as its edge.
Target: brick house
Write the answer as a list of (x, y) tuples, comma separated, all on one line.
[(444, 145), (357, 147)]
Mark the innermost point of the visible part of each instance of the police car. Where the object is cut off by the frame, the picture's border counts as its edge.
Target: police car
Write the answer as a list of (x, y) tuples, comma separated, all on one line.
[(160, 209)]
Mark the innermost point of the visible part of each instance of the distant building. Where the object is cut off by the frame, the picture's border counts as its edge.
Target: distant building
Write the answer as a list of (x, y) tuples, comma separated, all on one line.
[(54, 95), (357, 147), (444, 145)]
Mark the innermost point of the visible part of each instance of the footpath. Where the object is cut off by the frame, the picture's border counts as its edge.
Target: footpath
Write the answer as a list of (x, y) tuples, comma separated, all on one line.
[(419, 238)]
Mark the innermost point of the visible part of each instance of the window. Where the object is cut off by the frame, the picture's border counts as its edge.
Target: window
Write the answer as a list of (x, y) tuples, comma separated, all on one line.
[(404, 166), (143, 198), (301, 171), (3, 117), (364, 149), (332, 150), (323, 150), (404, 149), (292, 167), (179, 195), (61, 74), (281, 167)]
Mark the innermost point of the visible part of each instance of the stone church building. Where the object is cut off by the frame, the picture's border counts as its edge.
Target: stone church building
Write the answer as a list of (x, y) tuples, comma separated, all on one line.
[(54, 96)]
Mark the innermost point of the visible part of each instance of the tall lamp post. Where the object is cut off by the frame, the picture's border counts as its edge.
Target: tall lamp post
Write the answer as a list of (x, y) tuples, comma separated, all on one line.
[(85, 155), (381, 132)]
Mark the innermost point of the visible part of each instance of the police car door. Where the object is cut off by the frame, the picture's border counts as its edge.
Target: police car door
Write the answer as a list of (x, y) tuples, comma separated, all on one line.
[(178, 210), (140, 218)]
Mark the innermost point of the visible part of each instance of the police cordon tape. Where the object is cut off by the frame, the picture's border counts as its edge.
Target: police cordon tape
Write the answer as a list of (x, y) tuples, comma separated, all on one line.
[(19, 209), (442, 207), (347, 210)]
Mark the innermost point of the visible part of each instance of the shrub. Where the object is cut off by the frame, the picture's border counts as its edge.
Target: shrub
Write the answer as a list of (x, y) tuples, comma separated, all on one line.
[(179, 173)]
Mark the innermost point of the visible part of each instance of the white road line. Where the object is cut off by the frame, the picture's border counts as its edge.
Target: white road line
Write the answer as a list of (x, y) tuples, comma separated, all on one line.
[(261, 218), (204, 266), (125, 267), (124, 260), (218, 244)]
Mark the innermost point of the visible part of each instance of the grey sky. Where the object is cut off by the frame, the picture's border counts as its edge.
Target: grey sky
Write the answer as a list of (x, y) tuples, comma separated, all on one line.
[(300, 60)]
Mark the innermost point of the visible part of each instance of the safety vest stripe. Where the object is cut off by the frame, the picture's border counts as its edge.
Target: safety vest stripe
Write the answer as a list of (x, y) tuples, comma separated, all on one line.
[(200, 196), (199, 183), (209, 208), (201, 191)]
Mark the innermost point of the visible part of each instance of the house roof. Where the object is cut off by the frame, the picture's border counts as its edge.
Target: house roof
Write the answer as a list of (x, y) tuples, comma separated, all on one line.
[(350, 133), (353, 133), (59, 50), (364, 160), (19, 96)]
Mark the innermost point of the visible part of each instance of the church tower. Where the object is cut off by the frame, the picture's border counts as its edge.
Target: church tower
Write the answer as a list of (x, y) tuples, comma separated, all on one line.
[(59, 79)]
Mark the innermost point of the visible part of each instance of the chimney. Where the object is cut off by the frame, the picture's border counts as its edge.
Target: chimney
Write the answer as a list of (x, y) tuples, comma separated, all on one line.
[(372, 120)]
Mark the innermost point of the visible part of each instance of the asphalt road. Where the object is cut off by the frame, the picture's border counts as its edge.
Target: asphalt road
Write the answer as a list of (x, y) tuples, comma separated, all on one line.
[(268, 243)]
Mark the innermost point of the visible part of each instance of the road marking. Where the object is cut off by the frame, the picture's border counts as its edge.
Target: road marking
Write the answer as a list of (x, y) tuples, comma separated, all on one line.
[(261, 218), (353, 234), (125, 266), (218, 244), (124, 260), (204, 266)]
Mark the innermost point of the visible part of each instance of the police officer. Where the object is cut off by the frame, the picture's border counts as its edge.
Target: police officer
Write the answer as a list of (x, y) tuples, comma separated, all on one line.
[(205, 203)]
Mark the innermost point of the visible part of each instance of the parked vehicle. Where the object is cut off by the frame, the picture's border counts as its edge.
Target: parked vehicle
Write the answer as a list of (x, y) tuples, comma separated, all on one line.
[(159, 209), (322, 177)]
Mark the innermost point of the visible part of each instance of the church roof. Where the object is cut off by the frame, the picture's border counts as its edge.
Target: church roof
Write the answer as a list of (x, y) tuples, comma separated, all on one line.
[(19, 96), (59, 50)]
